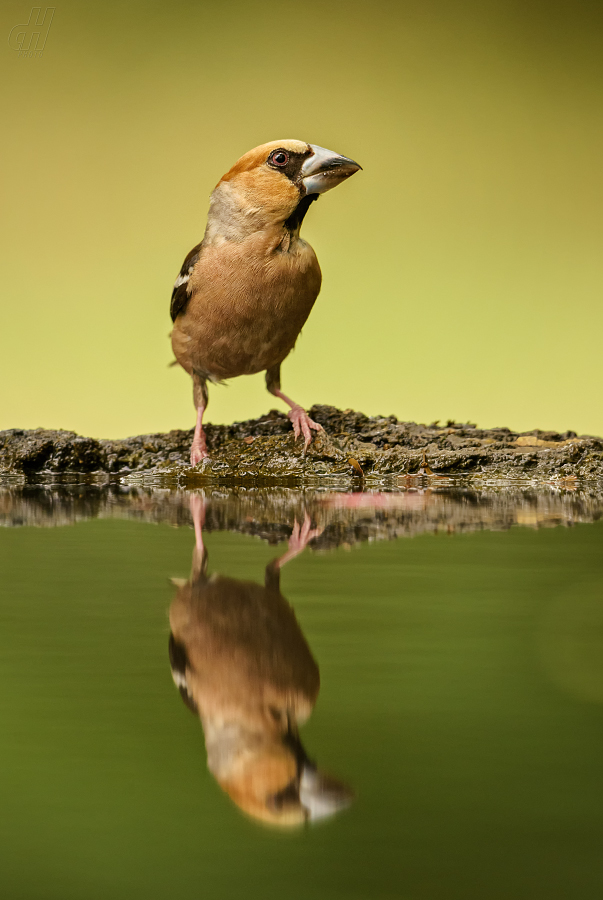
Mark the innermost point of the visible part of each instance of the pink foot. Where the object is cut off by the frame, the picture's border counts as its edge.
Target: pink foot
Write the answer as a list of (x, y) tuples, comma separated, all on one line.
[(299, 540), (302, 423), (301, 537), (198, 452)]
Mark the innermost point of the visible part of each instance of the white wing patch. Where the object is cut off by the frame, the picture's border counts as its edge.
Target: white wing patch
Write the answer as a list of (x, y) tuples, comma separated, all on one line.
[(179, 679), (182, 279)]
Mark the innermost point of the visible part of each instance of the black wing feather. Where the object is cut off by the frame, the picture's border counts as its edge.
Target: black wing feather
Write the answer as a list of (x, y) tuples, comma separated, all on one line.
[(180, 294)]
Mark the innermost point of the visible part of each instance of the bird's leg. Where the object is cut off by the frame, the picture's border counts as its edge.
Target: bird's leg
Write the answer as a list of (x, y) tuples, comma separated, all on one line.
[(200, 398), (197, 507), (301, 421), (198, 447), (198, 513)]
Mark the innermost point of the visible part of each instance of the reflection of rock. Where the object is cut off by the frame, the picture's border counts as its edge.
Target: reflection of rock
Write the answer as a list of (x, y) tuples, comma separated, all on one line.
[(269, 513), (571, 642), (265, 447), (241, 662)]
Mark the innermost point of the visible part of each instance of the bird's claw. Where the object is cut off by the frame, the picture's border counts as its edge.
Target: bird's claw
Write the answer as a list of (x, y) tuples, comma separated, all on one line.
[(302, 424), (301, 536), (198, 452)]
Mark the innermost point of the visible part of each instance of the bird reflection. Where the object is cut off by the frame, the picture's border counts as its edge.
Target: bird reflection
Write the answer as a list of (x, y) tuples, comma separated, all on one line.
[(241, 662)]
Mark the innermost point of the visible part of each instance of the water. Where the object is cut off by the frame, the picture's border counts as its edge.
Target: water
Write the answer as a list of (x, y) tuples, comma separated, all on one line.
[(459, 640)]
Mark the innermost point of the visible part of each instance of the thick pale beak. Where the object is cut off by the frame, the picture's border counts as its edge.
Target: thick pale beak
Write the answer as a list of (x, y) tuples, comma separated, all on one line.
[(325, 170), (321, 795)]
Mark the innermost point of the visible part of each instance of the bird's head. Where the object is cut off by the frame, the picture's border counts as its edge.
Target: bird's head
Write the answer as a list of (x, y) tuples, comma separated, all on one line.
[(274, 184), (274, 785)]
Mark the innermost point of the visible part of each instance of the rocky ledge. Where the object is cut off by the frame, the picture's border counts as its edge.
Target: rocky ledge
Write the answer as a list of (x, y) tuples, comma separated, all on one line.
[(352, 445)]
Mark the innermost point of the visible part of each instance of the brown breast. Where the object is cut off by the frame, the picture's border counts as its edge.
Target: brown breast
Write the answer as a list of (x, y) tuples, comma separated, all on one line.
[(249, 302)]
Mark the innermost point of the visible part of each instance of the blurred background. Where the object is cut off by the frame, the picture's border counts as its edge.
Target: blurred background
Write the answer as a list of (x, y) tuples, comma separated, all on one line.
[(462, 268)]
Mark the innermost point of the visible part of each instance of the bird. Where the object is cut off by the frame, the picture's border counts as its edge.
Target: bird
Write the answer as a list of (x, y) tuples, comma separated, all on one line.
[(242, 664), (245, 291)]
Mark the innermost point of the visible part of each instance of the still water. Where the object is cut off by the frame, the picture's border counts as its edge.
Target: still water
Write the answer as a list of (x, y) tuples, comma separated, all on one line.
[(386, 695)]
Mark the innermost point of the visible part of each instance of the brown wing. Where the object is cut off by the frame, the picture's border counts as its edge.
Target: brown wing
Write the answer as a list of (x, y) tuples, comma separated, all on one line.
[(180, 294)]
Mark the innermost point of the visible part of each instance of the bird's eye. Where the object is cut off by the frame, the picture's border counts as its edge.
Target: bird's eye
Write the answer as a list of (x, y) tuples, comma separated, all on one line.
[(279, 158)]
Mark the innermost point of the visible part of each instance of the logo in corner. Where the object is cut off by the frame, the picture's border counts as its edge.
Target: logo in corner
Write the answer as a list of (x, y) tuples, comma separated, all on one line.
[(30, 38)]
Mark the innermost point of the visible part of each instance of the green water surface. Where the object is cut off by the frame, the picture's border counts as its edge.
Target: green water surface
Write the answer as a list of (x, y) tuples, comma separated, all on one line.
[(461, 697)]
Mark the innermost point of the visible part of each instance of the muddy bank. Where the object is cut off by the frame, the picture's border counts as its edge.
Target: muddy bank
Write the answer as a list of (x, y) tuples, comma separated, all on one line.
[(379, 447)]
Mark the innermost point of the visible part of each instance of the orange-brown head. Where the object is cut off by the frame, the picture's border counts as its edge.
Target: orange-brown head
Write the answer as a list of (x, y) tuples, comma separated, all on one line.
[(274, 184), (273, 784)]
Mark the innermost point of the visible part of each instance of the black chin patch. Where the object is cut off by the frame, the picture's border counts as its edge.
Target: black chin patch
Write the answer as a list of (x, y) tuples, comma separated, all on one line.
[(287, 797), (293, 223)]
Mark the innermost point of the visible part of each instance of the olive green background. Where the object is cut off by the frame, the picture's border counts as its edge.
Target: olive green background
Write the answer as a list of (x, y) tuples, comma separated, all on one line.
[(462, 268), (461, 692)]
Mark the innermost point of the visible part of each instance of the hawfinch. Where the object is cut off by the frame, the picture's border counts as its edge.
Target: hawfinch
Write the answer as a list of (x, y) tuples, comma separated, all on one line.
[(244, 293), (242, 664)]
